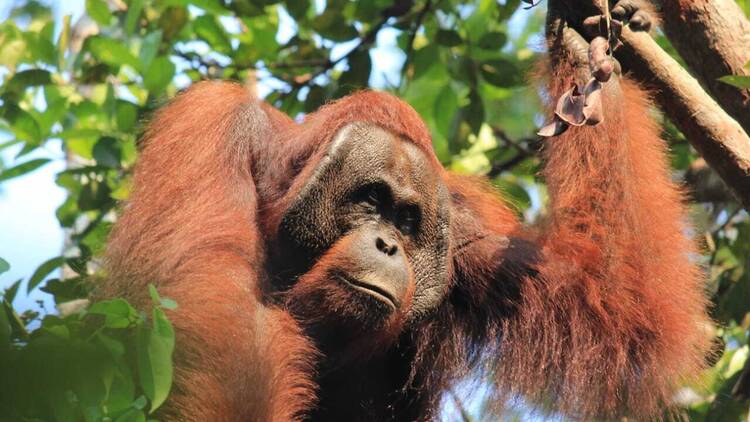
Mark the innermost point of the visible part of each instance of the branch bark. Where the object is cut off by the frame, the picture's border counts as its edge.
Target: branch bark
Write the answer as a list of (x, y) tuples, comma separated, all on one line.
[(713, 37), (714, 133)]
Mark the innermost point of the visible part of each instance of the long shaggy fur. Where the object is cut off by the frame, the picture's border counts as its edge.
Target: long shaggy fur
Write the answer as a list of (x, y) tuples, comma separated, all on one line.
[(598, 312), (612, 316)]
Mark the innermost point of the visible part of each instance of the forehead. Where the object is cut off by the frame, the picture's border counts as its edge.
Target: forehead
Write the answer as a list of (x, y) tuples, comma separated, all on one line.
[(370, 151)]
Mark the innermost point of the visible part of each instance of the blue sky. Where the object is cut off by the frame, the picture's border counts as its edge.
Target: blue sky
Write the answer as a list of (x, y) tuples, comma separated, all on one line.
[(29, 231)]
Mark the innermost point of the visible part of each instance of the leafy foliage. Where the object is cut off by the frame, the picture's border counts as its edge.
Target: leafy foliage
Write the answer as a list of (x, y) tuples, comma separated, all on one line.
[(107, 362), (90, 83)]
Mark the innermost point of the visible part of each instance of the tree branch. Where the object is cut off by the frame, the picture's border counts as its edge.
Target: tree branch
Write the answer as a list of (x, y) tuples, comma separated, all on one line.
[(531, 148), (714, 133), (398, 9), (711, 131), (713, 37)]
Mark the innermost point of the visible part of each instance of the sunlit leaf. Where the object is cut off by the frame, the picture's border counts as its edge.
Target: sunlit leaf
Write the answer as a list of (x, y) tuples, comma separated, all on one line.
[(117, 313), (135, 7), (742, 82), (159, 75), (23, 168), (112, 52), (4, 266), (207, 28), (149, 48), (155, 347), (98, 11), (43, 271), (27, 78)]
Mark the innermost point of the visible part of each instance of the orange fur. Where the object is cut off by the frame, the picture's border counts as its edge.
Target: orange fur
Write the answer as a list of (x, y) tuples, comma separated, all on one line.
[(189, 228), (598, 312), (611, 315)]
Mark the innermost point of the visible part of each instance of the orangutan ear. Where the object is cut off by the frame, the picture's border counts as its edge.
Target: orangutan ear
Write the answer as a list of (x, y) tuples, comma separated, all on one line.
[(477, 210)]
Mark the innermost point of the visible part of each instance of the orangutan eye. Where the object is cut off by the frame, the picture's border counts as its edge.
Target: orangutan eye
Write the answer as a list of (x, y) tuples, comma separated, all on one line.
[(372, 196), (408, 220)]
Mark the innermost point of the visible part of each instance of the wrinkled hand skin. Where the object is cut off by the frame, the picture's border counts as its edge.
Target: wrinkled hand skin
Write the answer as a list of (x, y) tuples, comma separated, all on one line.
[(640, 15)]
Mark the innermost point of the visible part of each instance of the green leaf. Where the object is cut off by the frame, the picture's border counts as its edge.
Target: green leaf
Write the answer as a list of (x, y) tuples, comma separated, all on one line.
[(172, 20), (17, 326), (23, 168), (107, 152), (4, 266), (742, 82), (149, 48), (507, 10), (492, 40), (13, 47), (135, 7), (112, 52), (43, 271), (332, 25), (474, 112), (168, 303), (425, 58), (207, 28), (464, 69), (448, 38), (96, 240), (62, 41), (132, 415), (155, 299), (12, 290), (94, 196), (246, 8), (160, 301), (298, 8), (23, 124), (24, 79), (155, 347), (358, 74), (98, 11), (140, 403), (159, 75), (446, 107), (118, 313), (315, 98), (126, 115), (501, 72), (5, 331)]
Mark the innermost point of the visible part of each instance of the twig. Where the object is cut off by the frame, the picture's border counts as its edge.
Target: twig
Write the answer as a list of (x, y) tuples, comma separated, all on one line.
[(523, 152), (498, 168), (413, 34), (365, 40)]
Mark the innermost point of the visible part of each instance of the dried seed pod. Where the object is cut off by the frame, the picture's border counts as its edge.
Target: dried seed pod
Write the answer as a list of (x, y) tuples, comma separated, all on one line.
[(600, 63), (593, 110)]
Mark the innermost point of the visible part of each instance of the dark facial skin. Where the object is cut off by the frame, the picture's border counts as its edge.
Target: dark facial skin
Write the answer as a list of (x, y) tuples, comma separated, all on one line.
[(365, 244)]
